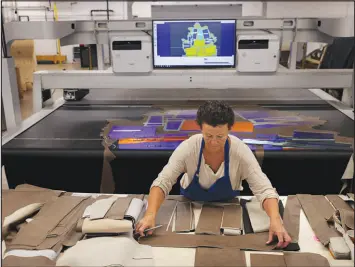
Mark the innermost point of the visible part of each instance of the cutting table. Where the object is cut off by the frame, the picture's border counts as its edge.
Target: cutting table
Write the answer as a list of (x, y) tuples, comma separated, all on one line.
[(65, 149), (186, 257)]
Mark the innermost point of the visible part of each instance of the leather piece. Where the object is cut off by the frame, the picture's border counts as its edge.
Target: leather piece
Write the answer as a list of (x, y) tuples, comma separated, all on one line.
[(118, 209), (72, 236), (347, 219), (183, 217), (305, 260), (246, 220), (260, 221), (106, 226), (351, 195), (232, 217), (339, 203), (29, 187), (165, 212), (318, 210), (214, 257), (291, 218), (267, 260), (210, 220), (99, 208), (15, 261), (65, 227), (14, 200), (248, 242), (47, 223)]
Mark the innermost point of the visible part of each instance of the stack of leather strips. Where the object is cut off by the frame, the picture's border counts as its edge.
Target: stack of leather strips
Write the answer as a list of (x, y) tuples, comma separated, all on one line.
[(111, 215), (342, 247), (331, 219), (41, 239)]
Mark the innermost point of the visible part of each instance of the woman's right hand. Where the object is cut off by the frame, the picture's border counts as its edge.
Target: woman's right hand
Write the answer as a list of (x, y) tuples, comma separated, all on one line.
[(148, 221)]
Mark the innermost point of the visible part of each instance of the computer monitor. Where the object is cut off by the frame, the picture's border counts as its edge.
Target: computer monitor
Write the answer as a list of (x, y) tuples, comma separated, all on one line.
[(194, 43)]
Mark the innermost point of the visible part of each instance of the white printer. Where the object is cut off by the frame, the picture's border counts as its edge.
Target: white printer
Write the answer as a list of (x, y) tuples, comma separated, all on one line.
[(131, 54), (258, 52)]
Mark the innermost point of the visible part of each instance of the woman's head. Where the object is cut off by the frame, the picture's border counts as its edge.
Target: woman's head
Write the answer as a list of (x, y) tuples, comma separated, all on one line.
[(215, 119)]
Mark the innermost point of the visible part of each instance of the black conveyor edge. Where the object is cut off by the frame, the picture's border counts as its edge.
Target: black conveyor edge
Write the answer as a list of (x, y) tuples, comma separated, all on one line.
[(64, 151)]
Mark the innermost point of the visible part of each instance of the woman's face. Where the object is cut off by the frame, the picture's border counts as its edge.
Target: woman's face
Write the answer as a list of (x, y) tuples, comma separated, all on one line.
[(215, 137)]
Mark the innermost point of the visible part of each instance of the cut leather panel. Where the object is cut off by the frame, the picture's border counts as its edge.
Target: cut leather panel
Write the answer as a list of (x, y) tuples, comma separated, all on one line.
[(60, 234), (305, 260), (48, 218), (214, 257), (72, 236), (247, 242), (338, 203), (260, 221), (232, 217), (291, 218), (118, 209), (183, 217), (318, 210), (29, 187), (14, 200), (248, 229), (210, 220), (347, 219), (165, 212), (15, 261), (267, 260)]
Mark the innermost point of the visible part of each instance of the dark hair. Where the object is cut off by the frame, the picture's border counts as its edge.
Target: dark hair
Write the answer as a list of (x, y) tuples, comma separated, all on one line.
[(215, 113)]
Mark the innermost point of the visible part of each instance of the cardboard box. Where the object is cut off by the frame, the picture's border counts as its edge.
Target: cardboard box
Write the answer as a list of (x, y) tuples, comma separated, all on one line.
[(24, 56)]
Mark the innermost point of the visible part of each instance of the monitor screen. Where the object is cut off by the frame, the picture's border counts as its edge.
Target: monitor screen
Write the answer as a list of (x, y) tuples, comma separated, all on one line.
[(194, 43)]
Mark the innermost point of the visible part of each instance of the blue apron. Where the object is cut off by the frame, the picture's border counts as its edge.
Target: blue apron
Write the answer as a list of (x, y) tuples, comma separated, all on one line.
[(221, 190)]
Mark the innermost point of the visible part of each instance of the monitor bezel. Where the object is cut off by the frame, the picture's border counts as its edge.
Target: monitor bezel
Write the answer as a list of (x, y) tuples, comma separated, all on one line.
[(196, 66)]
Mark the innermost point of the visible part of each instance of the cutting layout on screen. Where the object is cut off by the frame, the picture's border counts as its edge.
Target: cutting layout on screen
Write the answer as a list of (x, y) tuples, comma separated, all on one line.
[(197, 43)]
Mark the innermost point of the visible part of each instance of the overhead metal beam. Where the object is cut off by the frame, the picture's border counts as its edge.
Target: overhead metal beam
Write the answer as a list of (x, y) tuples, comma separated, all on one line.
[(206, 79), (74, 32)]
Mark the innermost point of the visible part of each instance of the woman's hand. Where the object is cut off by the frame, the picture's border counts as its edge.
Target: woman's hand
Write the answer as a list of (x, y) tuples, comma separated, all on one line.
[(148, 221), (277, 229)]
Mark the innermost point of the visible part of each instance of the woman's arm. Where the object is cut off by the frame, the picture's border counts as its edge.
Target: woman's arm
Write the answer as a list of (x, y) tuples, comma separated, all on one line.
[(162, 186), (155, 199), (271, 206), (261, 187)]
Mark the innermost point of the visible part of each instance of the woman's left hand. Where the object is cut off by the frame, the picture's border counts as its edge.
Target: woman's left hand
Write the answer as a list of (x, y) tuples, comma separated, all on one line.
[(277, 229)]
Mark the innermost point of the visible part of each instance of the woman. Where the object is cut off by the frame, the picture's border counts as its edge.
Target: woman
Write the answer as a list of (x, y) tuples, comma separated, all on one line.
[(214, 164)]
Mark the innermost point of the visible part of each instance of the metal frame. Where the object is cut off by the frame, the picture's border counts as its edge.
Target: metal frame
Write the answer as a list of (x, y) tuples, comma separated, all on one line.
[(10, 95), (99, 32)]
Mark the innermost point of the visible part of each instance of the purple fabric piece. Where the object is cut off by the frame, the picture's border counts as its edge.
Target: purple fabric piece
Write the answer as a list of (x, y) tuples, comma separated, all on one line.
[(305, 135), (253, 114), (155, 120), (173, 125), (269, 137), (186, 117)]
